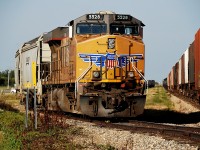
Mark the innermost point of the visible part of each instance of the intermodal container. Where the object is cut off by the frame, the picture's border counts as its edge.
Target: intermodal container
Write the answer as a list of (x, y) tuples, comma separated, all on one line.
[(172, 78), (191, 64), (183, 69), (168, 81), (186, 59), (174, 75), (179, 72), (176, 68), (197, 59)]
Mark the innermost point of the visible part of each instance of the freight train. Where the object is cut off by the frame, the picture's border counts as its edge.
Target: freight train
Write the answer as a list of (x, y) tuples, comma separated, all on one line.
[(151, 83), (184, 77), (94, 65)]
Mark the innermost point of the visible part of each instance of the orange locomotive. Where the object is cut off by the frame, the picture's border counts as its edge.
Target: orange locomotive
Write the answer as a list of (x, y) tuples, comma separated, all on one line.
[(97, 66)]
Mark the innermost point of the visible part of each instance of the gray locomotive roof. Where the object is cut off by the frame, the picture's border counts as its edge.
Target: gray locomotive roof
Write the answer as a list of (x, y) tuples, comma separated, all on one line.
[(83, 17), (55, 34)]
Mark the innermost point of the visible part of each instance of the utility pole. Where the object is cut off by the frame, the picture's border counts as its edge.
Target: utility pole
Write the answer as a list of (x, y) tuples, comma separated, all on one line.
[(8, 79)]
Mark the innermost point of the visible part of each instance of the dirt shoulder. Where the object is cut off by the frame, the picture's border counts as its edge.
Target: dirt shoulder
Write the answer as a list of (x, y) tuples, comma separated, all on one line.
[(182, 106)]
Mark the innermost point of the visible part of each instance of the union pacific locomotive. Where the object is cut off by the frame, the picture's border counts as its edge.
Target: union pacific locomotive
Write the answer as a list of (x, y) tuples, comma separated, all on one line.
[(93, 66)]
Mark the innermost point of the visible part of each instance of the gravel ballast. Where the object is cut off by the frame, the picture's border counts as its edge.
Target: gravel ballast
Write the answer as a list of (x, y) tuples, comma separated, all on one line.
[(120, 139)]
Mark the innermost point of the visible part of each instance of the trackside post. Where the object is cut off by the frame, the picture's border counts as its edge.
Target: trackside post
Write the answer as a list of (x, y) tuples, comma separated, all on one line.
[(34, 84), (26, 118)]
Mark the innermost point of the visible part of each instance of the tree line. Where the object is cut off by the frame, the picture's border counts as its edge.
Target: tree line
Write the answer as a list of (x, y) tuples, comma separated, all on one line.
[(4, 78)]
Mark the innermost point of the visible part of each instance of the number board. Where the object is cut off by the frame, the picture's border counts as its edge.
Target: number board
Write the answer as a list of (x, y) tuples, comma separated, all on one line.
[(123, 17), (94, 17)]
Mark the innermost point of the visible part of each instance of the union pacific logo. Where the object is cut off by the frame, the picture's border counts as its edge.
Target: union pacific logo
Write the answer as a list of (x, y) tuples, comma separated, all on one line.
[(111, 60)]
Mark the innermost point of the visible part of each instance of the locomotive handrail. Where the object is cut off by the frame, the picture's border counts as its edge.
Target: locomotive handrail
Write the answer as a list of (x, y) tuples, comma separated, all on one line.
[(141, 75), (81, 76)]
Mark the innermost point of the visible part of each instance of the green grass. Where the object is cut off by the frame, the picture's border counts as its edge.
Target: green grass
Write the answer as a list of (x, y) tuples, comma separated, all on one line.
[(11, 126), (14, 135), (8, 101), (158, 98), (3, 87)]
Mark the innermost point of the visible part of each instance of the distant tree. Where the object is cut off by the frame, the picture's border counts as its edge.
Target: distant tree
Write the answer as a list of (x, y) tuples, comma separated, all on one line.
[(4, 73), (12, 81), (2, 81), (12, 74), (4, 78)]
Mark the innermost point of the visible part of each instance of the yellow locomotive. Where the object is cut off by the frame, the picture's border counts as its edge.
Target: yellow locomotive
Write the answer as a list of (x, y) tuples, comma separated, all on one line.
[(97, 66)]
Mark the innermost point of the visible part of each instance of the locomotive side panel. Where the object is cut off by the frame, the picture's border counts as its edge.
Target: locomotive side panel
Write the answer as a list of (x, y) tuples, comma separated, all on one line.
[(63, 56)]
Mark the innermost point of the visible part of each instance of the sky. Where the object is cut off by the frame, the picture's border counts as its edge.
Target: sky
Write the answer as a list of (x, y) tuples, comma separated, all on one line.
[(170, 26)]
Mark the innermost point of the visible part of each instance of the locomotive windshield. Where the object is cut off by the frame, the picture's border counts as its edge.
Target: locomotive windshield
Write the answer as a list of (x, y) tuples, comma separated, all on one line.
[(124, 29), (91, 28)]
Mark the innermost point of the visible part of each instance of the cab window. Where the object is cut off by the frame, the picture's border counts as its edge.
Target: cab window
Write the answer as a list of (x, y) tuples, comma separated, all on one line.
[(91, 28), (124, 29)]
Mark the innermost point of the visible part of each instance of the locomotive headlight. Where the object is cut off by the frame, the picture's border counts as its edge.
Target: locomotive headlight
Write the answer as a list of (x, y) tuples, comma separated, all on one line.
[(111, 43), (130, 74), (96, 75)]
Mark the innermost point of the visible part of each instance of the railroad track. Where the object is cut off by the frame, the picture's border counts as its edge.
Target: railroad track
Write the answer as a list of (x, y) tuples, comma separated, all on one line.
[(190, 135), (173, 132), (159, 125)]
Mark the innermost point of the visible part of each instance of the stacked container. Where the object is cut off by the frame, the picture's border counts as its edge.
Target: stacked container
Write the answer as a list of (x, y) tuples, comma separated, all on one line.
[(191, 66), (184, 77), (197, 60)]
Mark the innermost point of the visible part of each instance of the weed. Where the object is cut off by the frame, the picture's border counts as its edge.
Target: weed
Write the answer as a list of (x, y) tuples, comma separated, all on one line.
[(1, 136), (106, 147), (14, 136), (74, 130), (70, 146), (11, 126), (158, 98), (7, 101)]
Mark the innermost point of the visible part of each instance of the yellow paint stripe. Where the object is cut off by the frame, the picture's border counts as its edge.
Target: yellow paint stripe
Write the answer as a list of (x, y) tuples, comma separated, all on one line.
[(34, 73)]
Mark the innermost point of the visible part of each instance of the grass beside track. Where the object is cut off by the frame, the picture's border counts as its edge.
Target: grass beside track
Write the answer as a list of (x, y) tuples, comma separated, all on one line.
[(11, 123), (158, 98), (14, 135), (11, 127)]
